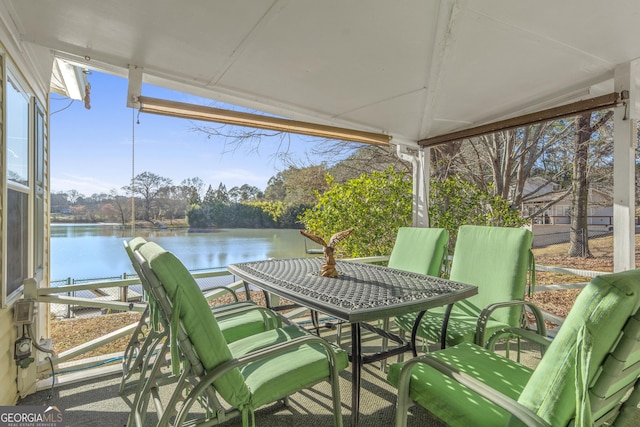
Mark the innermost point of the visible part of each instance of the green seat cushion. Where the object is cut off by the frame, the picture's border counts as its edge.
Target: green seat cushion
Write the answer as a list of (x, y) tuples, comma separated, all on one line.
[(265, 339), (602, 307), (461, 327), (455, 404), (275, 377), (198, 321), (246, 323), (419, 250)]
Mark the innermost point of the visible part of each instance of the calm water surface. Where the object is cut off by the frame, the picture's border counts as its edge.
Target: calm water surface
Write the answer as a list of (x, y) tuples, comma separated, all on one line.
[(92, 251)]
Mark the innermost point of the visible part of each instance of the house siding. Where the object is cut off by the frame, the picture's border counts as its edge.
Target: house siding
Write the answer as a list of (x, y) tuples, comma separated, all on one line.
[(34, 67), (8, 370)]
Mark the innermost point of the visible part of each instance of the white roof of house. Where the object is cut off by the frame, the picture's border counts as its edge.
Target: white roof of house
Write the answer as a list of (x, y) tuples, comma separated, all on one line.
[(412, 68)]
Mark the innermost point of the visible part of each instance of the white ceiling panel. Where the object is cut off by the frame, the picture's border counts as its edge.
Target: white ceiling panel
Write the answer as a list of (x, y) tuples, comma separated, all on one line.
[(413, 69)]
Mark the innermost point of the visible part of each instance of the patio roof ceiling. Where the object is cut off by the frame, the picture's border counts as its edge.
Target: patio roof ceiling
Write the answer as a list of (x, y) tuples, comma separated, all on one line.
[(413, 69)]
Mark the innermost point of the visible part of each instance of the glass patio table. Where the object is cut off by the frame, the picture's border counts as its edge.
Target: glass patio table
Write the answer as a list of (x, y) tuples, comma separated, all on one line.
[(361, 293)]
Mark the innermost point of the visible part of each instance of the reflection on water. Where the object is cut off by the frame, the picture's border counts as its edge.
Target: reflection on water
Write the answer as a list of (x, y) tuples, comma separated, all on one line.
[(92, 251)]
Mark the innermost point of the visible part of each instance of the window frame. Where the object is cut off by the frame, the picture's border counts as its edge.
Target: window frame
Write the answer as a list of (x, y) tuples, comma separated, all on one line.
[(32, 252)]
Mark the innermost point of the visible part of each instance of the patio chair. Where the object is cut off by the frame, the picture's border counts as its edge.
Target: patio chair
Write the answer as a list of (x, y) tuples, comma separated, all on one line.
[(582, 379), (499, 261), (147, 334), (237, 320), (417, 250), (246, 374)]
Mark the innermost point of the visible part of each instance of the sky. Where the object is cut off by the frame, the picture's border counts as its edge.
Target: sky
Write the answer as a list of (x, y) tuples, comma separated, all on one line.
[(92, 150)]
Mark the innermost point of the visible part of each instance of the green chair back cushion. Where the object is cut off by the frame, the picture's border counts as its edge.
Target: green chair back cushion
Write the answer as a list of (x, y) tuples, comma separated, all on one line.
[(593, 325), (198, 321), (496, 260), (419, 250), (134, 244), (130, 247), (245, 324)]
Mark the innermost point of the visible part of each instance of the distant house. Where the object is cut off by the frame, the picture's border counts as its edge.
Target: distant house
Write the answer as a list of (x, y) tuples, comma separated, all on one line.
[(599, 209)]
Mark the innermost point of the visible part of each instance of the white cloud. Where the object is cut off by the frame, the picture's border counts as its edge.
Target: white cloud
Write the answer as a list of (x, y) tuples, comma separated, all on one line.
[(85, 185)]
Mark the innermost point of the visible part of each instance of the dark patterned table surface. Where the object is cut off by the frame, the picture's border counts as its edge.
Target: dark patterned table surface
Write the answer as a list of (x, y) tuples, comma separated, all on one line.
[(361, 292)]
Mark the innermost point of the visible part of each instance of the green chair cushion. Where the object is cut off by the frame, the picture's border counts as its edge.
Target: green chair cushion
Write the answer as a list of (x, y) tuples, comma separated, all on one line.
[(275, 377), (602, 308), (454, 403), (265, 339), (233, 326), (198, 321), (256, 383), (244, 324), (497, 261), (558, 390), (419, 250), (461, 327), (135, 243)]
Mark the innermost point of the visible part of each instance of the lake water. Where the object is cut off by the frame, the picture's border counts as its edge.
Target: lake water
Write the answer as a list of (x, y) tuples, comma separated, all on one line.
[(92, 251)]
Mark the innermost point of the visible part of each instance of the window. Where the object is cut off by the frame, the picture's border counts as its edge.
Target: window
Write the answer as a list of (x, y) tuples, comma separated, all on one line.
[(24, 142), (17, 142), (38, 187), (17, 240), (17, 134)]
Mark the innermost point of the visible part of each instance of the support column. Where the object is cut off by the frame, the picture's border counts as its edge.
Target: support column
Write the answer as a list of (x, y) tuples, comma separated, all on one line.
[(421, 216), (421, 173), (625, 140)]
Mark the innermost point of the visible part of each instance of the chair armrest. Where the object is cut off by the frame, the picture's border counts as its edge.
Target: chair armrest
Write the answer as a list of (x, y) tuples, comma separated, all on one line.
[(227, 366), (214, 293), (233, 308), (481, 325), (267, 313), (527, 334), (524, 414)]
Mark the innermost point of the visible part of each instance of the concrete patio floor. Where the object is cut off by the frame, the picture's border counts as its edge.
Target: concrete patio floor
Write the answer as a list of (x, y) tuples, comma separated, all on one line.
[(97, 402)]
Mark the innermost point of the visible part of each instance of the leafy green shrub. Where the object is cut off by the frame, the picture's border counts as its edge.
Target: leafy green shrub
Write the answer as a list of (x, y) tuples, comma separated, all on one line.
[(375, 205)]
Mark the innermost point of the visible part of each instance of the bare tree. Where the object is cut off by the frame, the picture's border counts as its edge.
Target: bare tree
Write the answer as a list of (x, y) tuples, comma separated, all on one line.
[(122, 204), (512, 156), (73, 196), (502, 162), (190, 189), (578, 235), (150, 187), (351, 159)]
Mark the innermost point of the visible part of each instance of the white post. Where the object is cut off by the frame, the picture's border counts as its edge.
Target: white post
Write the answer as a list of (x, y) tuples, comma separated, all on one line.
[(424, 173), (421, 172), (625, 140)]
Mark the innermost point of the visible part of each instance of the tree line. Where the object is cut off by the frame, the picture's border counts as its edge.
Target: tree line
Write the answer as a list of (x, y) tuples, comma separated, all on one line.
[(158, 200), (478, 180)]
